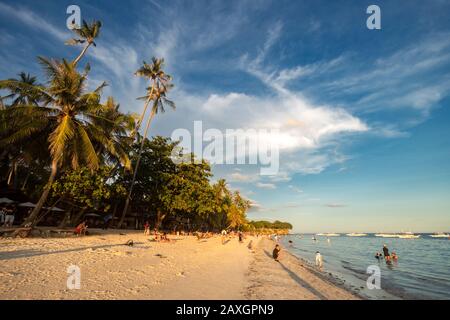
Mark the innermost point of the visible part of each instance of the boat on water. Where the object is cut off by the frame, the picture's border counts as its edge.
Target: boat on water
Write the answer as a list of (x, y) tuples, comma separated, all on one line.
[(408, 235), (328, 234), (355, 234), (440, 235), (386, 235)]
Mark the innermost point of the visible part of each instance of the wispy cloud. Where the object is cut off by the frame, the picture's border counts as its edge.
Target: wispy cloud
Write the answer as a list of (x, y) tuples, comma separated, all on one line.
[(335, 205), (33, 20), (266, 185)]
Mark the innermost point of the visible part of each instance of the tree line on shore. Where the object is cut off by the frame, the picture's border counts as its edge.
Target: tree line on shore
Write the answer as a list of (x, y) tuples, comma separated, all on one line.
[(67, 146)]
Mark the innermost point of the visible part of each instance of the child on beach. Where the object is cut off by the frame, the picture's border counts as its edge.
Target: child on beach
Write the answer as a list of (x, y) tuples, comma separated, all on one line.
[(276, 252)]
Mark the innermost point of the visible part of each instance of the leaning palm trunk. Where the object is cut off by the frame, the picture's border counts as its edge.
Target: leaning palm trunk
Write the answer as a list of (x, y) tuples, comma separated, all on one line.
[(34, 214), (81, 54), (39, 219), (127, 202)]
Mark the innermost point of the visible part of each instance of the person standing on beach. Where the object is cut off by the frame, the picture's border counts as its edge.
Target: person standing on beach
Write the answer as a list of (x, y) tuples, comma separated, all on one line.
[(241, 237), (146, 228), (319, 262), (276, 252), (2, 216), (9, 218)]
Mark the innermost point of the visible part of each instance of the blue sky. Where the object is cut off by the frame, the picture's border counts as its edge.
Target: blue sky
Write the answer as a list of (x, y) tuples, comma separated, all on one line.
[(366, 112)]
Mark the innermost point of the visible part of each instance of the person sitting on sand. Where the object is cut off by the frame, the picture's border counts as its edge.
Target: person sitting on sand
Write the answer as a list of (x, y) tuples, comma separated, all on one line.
[(81, 228), (276, 252), (319, 262), (164, 238)]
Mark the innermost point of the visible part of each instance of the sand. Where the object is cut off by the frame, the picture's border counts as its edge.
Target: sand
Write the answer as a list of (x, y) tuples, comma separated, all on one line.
[(186, 268)]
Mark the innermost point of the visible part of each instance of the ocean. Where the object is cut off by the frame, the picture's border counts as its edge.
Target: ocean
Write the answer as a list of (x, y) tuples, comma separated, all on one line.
[(422, 270)]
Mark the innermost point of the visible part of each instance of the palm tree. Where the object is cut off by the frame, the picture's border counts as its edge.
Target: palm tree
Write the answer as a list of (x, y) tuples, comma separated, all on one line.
[(116, 126), (67, 117), (87, 34), (156, 92), (237, 210), (23, 90)]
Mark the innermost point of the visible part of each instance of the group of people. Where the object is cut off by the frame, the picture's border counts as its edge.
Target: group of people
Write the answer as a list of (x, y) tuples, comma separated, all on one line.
[(386, 256), (157, 236), (7, 216)]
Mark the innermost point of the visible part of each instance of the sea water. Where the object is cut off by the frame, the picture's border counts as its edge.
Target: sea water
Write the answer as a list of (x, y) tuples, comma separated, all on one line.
[(422, 270)]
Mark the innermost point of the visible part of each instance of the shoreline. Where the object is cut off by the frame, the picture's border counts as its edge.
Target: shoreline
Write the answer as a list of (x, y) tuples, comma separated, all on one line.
[(186, 268), (290, 279)]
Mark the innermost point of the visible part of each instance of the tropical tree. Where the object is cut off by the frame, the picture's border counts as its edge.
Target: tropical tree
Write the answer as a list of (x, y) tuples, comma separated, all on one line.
[(67, 117), (88, 189), (22, 91), (236, 213), (157, 94), (86, 33)]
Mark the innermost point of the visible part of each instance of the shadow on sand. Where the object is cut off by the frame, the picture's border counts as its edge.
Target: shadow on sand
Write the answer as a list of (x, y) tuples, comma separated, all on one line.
[(34, 253), (298, 280)]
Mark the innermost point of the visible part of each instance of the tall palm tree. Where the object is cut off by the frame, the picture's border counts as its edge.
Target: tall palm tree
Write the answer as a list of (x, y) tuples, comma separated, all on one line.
[(87, 34), (156, 92), (157, 77), (67, 116)]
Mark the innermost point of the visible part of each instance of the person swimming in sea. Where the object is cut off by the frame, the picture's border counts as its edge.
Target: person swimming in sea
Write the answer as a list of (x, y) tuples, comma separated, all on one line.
[(387, 256), (276, 252), (394, 256)]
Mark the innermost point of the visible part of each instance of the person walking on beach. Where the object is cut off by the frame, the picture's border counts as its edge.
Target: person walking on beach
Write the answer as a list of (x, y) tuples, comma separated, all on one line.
[(276, 252), (241, 237), (386, 254), (146, 228), (319, 262), (224, 236)]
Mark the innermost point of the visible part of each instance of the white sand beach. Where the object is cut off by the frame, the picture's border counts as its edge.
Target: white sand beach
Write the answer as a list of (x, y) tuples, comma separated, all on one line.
[(186, 268)]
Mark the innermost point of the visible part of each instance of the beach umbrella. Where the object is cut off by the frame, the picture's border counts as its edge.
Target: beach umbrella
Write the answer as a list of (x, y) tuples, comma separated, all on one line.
[(55, 209), (92, 215), (6, 200), (27, 204)]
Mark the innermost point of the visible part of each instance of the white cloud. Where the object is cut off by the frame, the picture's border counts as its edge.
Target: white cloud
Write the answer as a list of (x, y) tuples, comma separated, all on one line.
[(335, 205), (295, 189), (266, 185), (239, 177)]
